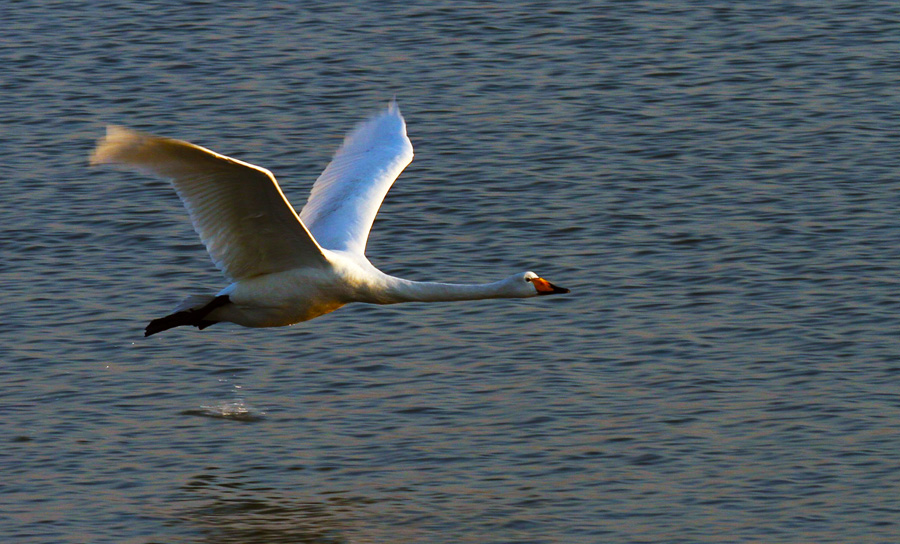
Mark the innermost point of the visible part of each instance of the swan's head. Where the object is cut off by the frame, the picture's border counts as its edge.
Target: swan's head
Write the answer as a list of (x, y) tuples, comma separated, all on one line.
[(529, 284)]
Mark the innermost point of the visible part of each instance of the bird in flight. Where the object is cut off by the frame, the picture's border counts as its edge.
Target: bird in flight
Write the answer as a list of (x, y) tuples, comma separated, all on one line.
[(285, 268)]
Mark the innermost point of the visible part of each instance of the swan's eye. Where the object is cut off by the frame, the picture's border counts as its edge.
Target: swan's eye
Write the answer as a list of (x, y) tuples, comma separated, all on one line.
[(527, 279)]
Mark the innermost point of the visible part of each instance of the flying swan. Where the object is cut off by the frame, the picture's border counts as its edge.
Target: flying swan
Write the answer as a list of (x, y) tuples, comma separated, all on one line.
[(287, 268)]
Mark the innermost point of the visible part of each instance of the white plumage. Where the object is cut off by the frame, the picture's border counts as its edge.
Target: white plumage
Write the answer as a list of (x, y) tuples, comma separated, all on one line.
[(345, 199), (286, 268)]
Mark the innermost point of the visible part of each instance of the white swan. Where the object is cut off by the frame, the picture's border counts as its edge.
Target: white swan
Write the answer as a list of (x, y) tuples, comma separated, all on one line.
[(286, 268)]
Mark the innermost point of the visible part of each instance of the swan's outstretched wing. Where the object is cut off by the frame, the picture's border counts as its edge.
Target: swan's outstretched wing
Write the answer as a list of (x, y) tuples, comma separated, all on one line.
[(346, 197), (240, 213)]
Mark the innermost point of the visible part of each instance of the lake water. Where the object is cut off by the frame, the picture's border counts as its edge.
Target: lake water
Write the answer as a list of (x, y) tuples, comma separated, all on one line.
[(717, 182)]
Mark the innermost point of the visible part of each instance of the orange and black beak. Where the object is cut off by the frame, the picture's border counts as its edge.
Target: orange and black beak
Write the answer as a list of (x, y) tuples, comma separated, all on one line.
[(544, 287)]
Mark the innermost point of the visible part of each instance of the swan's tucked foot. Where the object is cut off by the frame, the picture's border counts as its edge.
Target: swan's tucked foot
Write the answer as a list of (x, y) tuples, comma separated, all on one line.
[(186, 317), (194, 317)]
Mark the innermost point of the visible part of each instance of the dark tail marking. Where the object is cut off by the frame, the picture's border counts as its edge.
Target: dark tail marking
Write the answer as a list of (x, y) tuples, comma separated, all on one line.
[(187, 317)]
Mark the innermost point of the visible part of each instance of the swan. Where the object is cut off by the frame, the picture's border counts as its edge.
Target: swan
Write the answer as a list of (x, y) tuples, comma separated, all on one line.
[(286, 268)]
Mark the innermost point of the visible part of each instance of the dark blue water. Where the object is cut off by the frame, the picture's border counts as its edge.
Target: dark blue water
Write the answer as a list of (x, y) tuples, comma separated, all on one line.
[(716, 183)]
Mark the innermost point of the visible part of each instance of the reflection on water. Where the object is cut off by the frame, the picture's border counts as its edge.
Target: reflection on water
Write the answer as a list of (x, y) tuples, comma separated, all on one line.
[(231, 510)]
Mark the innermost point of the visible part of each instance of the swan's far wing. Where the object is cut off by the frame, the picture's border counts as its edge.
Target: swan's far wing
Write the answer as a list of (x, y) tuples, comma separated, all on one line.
[(240, 213), (346, 197)]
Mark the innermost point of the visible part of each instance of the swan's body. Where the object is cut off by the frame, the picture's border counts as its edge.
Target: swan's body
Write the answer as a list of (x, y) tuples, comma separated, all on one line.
[(287, 268)]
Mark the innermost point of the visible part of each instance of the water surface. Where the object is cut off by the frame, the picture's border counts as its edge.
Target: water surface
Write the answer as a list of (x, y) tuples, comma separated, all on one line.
[(716, 183)]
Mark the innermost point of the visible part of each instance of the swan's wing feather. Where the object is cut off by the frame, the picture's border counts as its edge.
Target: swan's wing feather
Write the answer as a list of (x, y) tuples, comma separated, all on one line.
[(346, 197), (240, 213)]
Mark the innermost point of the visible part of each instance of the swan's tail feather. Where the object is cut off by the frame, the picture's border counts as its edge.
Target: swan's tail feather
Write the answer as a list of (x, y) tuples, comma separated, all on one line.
[(188, 312)]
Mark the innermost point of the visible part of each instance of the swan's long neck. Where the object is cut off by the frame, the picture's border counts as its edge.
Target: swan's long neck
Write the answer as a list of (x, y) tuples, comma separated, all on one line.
[(400, 290)]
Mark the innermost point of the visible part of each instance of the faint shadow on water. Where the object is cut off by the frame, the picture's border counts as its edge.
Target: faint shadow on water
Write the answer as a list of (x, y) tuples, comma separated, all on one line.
[(231, 511)]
